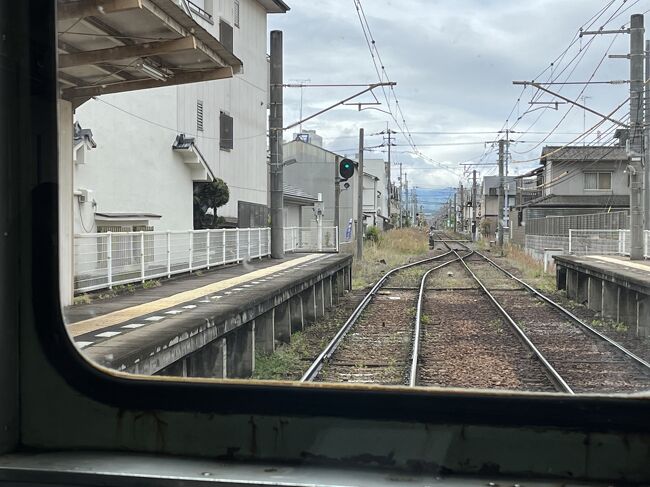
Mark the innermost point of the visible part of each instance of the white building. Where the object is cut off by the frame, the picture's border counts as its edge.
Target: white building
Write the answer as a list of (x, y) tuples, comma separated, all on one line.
[(375, 193), (312, 168), (152, 145), (208, 66)]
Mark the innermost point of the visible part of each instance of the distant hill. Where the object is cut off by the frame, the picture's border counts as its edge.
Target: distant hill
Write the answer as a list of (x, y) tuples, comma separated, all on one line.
[(432, 199)]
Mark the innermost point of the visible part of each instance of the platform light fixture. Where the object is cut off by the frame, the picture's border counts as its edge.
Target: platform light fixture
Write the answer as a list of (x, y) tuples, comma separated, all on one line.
[(152, 71)]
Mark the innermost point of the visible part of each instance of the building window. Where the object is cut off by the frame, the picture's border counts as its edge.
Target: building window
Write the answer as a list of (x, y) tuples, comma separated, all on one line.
[(598, 181), (236, 13), (492, 192), (226, 133), (199, 115)]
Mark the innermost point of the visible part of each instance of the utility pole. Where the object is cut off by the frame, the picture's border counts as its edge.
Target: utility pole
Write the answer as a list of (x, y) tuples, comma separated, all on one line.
[(646, 172), (388, 166), (401, 220), (360, 200), (455, 213), (448, 219), (506, 184), (502, 144), (462, 208), (406, 196), (635, 148), (474, 206), (337, 193), (275, 146), (636, 136), (584, 99)]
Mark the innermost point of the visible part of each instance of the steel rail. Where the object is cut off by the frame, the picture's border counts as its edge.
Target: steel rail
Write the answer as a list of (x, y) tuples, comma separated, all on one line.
[(559, 383), (638, 360), (331, 347), (418, 321), (645, 365)]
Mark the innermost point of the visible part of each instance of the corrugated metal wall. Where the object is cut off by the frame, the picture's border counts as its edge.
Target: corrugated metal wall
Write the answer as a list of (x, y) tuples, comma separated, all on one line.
[(252, 215), (560, 225)]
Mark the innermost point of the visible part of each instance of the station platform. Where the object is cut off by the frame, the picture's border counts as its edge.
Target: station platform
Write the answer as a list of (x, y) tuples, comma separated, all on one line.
[(210, 325), (609, 284)]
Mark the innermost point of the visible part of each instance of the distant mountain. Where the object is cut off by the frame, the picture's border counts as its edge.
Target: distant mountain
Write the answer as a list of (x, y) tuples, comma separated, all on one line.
[(433, 199)]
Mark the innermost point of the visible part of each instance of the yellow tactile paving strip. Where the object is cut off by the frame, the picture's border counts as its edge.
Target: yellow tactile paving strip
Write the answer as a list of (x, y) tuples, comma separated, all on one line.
[(126, 314), (635, 265)]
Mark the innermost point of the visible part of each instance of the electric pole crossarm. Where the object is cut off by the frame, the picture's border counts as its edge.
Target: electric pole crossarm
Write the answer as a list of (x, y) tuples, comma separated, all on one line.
[(599, 32), (568, 100), (342, 102)]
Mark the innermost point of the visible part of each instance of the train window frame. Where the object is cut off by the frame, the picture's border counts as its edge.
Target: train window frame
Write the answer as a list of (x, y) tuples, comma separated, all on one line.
[(217, 396)]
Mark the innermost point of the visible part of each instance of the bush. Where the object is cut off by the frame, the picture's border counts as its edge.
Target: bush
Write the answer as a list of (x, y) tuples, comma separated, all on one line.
[(372, 234)]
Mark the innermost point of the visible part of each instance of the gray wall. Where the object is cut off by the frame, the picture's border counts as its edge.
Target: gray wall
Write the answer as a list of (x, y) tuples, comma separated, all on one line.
[(575, 185), (314, 173)]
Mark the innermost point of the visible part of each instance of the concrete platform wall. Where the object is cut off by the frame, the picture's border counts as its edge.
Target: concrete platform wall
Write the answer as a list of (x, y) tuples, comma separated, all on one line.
[(612, 297), (230, 353)]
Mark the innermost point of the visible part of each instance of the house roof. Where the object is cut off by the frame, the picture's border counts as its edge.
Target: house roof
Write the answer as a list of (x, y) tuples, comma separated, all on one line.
[(82, 135), (532, 172), (577, 201), (275, 6), (297, 194), (295, 141), (191, 153), (583, 153)]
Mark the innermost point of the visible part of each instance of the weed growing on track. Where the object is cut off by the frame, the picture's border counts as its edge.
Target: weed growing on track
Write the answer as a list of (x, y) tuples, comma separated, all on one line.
[(532, 270), (284, 364), (393, 248)]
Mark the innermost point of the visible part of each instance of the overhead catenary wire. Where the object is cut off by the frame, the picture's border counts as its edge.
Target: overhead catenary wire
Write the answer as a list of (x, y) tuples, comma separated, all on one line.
[(382, 75), (559, 59)]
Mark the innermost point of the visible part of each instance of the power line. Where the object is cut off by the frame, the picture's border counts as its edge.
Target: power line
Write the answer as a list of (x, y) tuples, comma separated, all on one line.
[(403, 126)]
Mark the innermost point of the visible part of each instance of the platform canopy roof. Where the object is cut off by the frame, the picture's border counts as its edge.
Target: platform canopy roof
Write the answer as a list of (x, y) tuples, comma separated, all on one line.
[(113, 46), (274, 6)]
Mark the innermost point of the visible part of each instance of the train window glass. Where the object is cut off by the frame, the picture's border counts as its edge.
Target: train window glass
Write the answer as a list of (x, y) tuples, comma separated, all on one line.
[(370, 243)]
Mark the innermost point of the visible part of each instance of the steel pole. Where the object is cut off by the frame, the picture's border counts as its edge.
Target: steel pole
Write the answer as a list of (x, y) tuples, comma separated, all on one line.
[(462, 208), (275, 146), (456, 212), (500, 194), (337, 191), (474, 206), (401, 221), (360, 200), (646, 172), (636, 136)]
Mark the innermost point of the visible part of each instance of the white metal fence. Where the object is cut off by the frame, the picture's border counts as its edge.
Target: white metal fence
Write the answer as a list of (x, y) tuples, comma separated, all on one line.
[(106, 259), (311, 239), (103, 260), (536, 245), (604, 242)]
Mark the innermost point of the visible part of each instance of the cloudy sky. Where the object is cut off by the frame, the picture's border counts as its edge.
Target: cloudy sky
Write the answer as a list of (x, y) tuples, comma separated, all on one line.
[(454, 63)]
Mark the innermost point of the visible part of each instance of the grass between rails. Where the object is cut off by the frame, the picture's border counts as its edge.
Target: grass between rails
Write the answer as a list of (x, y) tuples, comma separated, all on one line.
[(393, 248), (290, 361)]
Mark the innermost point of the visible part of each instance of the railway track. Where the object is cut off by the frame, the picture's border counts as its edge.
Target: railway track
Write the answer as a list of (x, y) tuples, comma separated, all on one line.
[(375, 344), (460, 320), (576, 358)]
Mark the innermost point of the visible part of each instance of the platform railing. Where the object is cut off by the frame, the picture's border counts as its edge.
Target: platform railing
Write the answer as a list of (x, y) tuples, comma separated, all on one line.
[(103, 260), (604, 242), (311, 239)]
